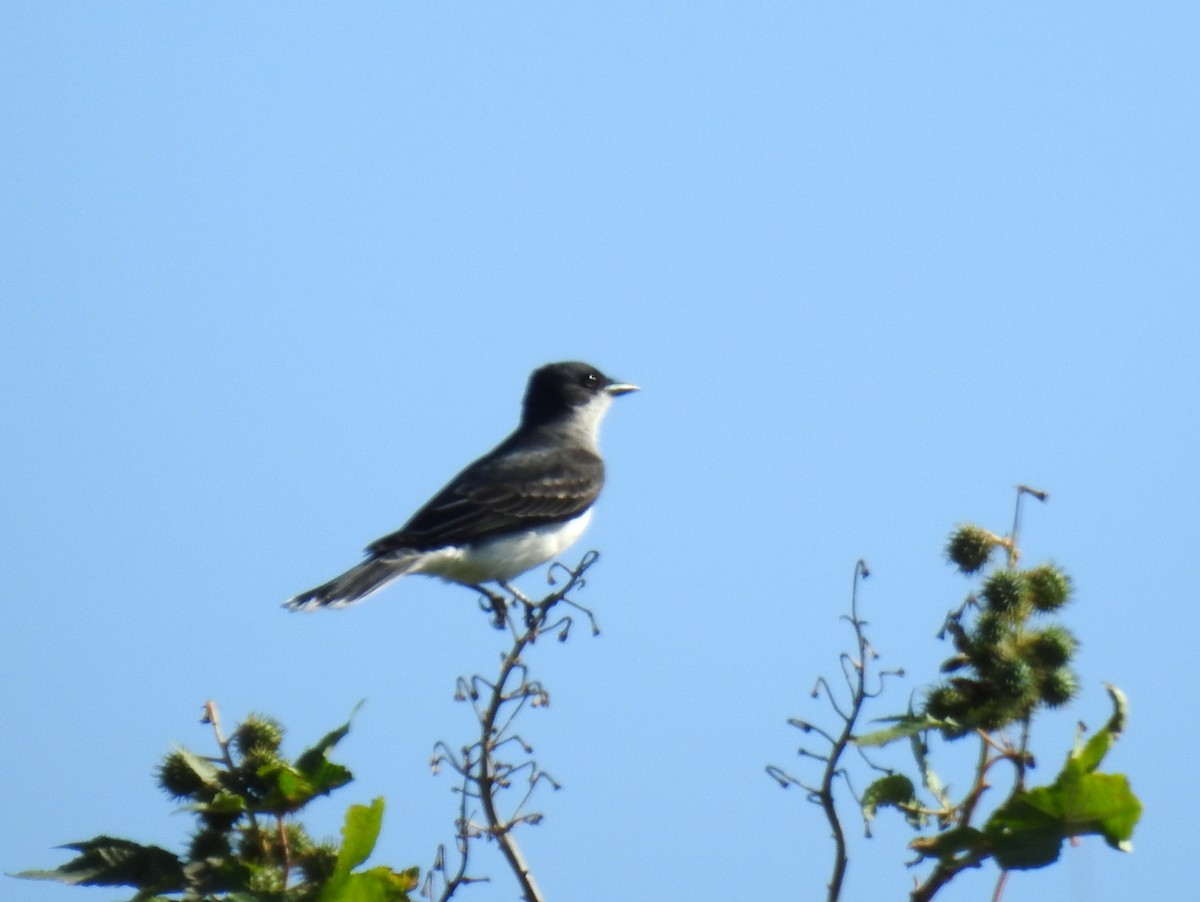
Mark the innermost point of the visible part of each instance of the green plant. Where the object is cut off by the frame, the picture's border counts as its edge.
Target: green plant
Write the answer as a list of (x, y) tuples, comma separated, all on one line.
[(1009, 664), (246, 847)]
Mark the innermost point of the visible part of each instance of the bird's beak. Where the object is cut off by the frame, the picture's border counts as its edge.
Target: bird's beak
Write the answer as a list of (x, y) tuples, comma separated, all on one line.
[(620, 388)]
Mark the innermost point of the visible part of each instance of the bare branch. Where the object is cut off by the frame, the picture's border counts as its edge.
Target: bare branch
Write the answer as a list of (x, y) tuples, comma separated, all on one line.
[(854, 667), (497, 703)]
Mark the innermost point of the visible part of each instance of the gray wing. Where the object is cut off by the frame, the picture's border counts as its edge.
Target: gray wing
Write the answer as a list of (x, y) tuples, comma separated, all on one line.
[(499, 494)]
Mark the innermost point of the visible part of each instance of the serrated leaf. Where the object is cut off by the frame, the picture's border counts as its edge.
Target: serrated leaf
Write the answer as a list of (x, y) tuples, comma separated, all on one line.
[(292, 786), (310, 760), (359, 833), (328, 777), (313, 773), (1028, 830), (223, 802), (289, 785), (1088, 758), (1021, 835), (288, 791), (380, 884), (217, 875), (109, 861), (920, 751), (208, 772), (929, 777), (906, 725)]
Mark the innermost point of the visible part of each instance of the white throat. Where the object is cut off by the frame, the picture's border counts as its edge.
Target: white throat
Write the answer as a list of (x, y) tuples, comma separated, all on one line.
[(584, 423)]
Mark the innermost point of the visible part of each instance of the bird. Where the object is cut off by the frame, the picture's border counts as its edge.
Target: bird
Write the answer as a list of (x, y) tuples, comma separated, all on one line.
[(516, 507)]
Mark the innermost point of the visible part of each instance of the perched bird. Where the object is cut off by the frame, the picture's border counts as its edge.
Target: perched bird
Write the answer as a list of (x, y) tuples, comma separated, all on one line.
[(518, 506)]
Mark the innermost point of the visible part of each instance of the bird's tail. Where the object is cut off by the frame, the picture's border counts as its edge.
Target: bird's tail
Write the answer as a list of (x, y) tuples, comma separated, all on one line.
[(355, 584)]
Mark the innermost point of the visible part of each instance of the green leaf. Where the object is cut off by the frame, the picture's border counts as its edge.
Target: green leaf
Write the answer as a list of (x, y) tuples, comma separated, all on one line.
[(1022, 835), (906, 725), (288, 790), (894, 790), (929, 776), (327, 777), (1028, 830), (217, 875), (359, 832), (203, 768), (1088, 758), (108, 861), (222, 803), (380, 884), (311, 775), (292, 786), (185, 775), (310, 760), (376, 885)]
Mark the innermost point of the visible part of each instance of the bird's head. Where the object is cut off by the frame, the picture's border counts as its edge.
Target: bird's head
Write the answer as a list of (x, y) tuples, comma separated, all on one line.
[(570, 390)]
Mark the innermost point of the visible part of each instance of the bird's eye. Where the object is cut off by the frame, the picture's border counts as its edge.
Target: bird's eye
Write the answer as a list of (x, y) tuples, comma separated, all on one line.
[(591, 378)]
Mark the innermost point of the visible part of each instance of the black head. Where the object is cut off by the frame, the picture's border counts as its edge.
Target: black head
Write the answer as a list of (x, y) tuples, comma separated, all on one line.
[(557, 389)]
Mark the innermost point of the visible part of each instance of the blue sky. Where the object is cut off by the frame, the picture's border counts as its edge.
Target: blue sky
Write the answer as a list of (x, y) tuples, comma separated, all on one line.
[(273, 273)]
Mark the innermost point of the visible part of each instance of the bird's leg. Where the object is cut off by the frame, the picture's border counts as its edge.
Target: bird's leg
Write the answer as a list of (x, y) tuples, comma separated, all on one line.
[(513, 591)]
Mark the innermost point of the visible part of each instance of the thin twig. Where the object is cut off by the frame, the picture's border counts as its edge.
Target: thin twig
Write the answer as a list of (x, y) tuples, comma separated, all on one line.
[(500, 829), (857, 679), (213, 717), (496, 705)]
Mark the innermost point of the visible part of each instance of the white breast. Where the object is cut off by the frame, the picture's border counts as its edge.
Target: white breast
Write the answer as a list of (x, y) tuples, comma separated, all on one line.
[(506, 557)]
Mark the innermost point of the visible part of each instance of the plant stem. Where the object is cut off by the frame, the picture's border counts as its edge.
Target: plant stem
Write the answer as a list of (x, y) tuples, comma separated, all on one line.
[(502, 830)]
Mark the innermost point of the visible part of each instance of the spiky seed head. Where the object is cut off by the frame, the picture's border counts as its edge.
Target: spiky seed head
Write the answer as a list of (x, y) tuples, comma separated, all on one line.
[(1004, 593), (258, 732), (209, 844), (265, 882), (219, 820), (1059, 686), (1049, 587), (298, 840), (179, 780), (970, 547), (990, 629), (1001, 712), (945, 702), (255, 846), (1013, 679), (948, 702), (247, 779), (1050, 648), (318, 863)]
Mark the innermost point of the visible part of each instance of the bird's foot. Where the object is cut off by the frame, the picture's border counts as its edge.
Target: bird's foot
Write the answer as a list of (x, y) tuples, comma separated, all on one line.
[(495, 604)]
